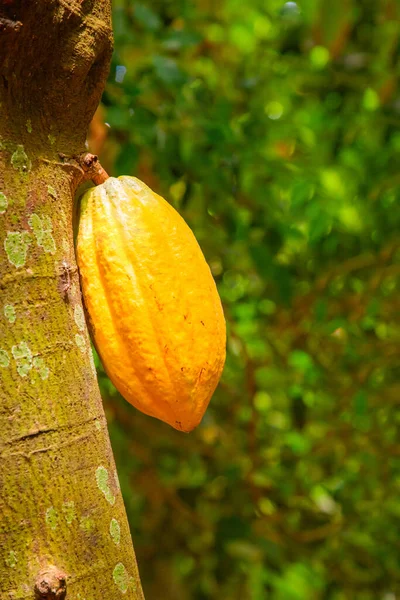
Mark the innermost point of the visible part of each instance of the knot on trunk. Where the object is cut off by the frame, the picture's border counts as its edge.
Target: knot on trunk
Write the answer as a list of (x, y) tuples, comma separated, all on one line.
[(50, 584)]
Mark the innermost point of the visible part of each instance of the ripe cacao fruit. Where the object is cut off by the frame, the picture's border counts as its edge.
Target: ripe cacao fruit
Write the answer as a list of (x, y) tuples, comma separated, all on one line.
[(153, 306)]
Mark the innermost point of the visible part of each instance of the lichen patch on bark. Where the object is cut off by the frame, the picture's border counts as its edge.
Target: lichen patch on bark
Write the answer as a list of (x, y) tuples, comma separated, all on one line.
[(39, 365), (4, 359), (92, 365), (115, 531), (102, 484), (122, 578), (9, 313), (11, 560), (80, 342), (20, 160), (79, 317), (16, 247), (69, 511), (3, 203), (42, 229), (86, 523), (23, 357), (52, 518)]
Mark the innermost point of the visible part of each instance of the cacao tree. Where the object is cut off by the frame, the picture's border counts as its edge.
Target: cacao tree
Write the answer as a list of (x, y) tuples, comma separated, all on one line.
[(63, 528)]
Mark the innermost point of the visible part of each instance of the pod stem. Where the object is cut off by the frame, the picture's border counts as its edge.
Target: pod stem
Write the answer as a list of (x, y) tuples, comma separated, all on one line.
[(93, 169)]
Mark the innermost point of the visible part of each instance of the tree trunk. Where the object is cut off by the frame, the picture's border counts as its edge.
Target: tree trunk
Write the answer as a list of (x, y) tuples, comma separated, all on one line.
[(63, 527)]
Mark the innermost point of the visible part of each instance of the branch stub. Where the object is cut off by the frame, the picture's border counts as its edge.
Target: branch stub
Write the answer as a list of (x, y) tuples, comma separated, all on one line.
[(50, 584)]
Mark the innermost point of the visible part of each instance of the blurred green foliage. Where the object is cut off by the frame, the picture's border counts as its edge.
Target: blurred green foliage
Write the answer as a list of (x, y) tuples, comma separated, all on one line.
[(273, 127)]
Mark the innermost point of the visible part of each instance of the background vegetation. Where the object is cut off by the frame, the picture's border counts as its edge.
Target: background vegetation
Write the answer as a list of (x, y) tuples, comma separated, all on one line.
[(273, 128)]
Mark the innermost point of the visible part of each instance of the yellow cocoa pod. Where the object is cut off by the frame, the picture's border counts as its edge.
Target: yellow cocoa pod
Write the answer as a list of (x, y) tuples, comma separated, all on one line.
[(153, 306)]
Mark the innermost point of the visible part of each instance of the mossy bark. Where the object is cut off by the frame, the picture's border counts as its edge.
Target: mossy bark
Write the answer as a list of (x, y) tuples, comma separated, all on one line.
[(63, 527)]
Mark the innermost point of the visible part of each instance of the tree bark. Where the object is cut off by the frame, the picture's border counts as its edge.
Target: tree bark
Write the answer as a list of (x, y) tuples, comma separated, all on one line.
[(63, 527)]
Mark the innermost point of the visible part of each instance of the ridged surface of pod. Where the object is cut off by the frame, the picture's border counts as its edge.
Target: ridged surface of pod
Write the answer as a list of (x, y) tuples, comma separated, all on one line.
[(153, 306)]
